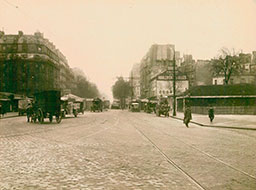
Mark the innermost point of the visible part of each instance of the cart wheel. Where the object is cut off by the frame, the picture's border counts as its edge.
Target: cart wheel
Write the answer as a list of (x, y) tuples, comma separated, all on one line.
[(58, 118), (40, 116), (50, 117)]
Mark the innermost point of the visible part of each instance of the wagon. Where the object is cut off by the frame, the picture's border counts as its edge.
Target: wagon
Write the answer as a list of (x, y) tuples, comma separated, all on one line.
[(162, 107), (72, 105), (150, 107), (22, 105), (47, 104), (135, 107), (97, 105)]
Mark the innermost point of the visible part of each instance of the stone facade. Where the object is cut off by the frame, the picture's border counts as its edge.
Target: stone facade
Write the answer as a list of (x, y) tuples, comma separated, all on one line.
[(135, 81), (31, 63), (246, 75), (157, 60)]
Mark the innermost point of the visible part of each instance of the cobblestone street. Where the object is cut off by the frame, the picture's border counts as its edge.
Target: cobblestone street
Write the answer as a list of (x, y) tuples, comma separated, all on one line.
[(124, 150)]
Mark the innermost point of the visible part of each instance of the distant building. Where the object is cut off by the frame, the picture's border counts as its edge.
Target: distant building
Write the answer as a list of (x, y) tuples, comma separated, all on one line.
[(188, 67), (253, 62), (203, 73), (135, 81), (162, 84), (187, 58), (247, 74), (245, 60), (157, 60), (246, 78)]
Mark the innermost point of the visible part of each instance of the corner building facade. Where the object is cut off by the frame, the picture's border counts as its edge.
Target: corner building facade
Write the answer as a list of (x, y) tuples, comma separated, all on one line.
[(29, 64)]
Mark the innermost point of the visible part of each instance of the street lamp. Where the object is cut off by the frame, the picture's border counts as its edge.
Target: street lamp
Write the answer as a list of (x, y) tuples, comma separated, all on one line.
[(174, 85)]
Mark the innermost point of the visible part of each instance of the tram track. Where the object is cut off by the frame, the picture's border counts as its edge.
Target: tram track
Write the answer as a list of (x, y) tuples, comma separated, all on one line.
[(211, 156), (170, 161)]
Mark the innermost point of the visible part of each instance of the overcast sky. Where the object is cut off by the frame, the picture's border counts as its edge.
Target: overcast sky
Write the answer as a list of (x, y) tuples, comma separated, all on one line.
[(105, 38)]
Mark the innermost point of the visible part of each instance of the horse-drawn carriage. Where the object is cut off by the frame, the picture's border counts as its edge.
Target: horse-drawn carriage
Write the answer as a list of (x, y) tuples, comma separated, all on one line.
[(46, 105), (97, 105), (162, 107), (23, 104), (72, 105), (150, 107), (134, 106)]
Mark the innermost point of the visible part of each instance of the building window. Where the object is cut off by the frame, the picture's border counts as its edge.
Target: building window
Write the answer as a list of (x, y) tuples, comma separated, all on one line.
[(160, 91), (243, 80), (215, 82)]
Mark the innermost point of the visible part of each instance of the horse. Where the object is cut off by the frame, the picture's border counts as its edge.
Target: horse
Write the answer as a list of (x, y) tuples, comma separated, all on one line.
[(30, 113)]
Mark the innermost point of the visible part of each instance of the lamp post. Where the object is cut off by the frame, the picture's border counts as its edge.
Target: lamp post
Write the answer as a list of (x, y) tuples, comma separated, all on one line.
[(174, 85)]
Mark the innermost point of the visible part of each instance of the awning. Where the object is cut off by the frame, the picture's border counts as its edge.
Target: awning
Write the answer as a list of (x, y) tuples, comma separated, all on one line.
[(4, 100), (72, 98)]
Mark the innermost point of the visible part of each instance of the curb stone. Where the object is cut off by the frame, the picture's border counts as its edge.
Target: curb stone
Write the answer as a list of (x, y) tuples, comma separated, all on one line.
[(216, 126)]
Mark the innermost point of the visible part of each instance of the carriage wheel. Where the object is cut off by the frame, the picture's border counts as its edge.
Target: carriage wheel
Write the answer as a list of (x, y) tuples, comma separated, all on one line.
[(58, 118), (40, 116)]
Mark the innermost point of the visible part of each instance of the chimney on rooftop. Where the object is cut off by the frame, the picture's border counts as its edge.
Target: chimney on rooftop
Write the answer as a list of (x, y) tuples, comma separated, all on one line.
[(1, 33), (20, 33), (39, 34)]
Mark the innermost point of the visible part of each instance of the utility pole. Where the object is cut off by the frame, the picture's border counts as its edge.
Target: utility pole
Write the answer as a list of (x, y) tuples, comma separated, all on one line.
[(132, 93), (174, 85)]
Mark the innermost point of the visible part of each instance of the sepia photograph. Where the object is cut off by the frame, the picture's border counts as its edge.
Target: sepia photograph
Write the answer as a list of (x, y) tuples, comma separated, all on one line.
[(127, 95)]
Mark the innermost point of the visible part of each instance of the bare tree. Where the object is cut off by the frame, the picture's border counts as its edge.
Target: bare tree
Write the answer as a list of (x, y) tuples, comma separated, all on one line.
[(226, 64)]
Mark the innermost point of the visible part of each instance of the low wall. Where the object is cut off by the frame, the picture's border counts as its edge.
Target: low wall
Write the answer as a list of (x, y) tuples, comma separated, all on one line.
[(228, 105), (240, 110)]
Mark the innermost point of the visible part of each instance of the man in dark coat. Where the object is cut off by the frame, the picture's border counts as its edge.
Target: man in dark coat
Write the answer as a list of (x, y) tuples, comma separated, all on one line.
[(211, 113), (187, 116)]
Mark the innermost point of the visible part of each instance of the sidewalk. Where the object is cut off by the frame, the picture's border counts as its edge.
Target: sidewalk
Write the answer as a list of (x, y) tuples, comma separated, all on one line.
[(247, 122), (9, 114)]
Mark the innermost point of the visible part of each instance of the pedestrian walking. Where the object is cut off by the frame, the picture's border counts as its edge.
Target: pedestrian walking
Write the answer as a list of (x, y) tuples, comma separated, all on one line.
[(211, 113), (187, 116)]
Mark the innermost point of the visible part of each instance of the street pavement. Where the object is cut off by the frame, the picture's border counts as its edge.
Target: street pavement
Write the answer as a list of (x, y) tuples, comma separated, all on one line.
[(123, 150), (9, 114), (222, 121)]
